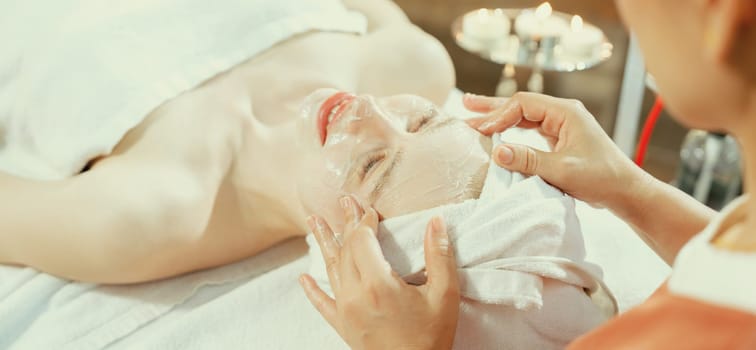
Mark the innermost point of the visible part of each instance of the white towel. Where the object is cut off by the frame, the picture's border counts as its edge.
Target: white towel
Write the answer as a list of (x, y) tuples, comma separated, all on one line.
[(76, 75), (518, 235), (39, 311)]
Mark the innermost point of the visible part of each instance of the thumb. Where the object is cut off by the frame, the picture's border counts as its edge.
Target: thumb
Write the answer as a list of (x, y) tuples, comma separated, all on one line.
[(524, 159), (440, 263)]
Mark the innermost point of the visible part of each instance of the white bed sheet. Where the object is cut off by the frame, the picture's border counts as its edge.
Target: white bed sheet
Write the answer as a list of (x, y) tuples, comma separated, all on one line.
[(255, 303)]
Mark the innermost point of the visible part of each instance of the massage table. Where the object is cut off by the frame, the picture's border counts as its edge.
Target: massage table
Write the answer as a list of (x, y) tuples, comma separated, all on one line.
[(255, 303)]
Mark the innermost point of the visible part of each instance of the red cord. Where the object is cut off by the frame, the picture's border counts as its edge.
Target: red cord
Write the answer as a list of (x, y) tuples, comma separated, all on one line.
[(648, 129)]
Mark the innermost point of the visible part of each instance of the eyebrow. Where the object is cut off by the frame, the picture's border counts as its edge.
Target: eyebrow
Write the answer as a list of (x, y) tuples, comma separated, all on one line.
[(441, 124)]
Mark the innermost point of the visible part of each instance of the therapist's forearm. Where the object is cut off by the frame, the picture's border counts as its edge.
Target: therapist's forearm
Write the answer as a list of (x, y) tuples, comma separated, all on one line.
[(665, 217)]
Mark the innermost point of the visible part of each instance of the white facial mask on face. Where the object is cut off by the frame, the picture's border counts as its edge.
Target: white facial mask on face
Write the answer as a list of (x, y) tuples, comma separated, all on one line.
[(442, 160)]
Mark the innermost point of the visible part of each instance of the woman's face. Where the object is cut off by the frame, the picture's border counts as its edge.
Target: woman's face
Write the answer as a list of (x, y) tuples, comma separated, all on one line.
[(398, 154)]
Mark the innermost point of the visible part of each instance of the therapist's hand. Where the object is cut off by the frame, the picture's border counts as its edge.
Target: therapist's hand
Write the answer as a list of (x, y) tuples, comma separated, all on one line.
[(373, 307), (585, 163)]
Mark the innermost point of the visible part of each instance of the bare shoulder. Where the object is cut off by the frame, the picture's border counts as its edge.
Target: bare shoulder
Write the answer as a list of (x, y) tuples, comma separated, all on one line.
[(378, 12), (416, 62), (200, 119)]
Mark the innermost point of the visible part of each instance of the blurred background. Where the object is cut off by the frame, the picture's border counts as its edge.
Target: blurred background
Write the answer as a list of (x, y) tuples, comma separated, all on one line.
[(598, 88)]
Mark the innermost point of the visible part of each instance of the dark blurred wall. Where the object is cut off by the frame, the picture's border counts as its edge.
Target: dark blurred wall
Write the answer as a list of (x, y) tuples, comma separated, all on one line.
[(598, 88)]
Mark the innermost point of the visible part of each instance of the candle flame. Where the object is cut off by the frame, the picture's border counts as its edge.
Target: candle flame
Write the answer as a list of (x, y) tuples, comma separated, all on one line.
[(543, 10), (577, 23)]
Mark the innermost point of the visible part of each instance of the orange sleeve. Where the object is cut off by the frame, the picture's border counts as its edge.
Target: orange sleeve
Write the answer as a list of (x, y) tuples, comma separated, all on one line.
[(668, 321)]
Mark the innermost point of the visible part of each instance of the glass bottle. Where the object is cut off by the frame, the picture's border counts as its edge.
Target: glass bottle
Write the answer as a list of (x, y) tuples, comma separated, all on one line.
[(710, 168), (726, 174), (692, 158)]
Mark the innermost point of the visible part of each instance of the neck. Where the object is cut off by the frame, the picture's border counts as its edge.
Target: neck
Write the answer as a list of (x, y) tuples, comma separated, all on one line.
[(268, 181), (744, 237)]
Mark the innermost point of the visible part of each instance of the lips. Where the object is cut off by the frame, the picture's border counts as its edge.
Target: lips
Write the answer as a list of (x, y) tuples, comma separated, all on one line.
[(330, 111)]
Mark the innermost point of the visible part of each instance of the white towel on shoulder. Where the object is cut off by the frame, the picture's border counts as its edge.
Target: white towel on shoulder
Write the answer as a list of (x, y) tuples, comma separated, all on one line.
[(76, 75), (520, 254)]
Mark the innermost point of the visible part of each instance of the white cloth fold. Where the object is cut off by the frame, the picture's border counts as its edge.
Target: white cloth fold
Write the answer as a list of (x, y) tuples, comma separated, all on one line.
[(76, 75), (518, 234), (40, 311)]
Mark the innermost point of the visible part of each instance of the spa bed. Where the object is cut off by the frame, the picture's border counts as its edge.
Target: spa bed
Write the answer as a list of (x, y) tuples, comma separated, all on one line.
[(255, 303)]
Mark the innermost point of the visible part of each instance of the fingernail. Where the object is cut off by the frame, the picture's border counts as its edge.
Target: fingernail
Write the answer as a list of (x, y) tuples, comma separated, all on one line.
[(505, 155), (315, 225), (310, 221), (344, 202), (438, 224), (354, 206), (487, 125), (439, 236)]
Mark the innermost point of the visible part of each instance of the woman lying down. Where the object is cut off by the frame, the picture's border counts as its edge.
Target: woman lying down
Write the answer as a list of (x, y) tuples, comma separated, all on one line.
[(143, 140), (132, 160), (519, 249)]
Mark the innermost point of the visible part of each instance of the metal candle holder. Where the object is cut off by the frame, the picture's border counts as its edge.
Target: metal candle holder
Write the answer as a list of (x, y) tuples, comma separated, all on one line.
[(538, 53)]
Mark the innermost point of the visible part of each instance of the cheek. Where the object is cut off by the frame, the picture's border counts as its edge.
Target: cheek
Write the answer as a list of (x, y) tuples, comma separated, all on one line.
[(322, 173), (319, 196), (324, 203), (421, 191), (447, 171)]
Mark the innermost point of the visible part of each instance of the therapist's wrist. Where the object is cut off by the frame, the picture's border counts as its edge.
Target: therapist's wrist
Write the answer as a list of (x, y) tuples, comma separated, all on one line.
[(632, 191)]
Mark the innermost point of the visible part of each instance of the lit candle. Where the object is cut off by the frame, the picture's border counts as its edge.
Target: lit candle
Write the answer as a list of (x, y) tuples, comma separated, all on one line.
[(582, 39), (486, 25), (539, 23)]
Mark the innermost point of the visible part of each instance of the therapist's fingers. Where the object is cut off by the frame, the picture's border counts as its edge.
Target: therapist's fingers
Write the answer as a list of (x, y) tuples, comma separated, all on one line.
[(441, 265), (475, 122), (349, 274), (329, 248), (500, 124), (320, 300), (368, 223), (482, 104), (526, 109), (500, 119), (505, 116), (353, 213), (526, 160), (494, 120), (359, 243), (370, 261)]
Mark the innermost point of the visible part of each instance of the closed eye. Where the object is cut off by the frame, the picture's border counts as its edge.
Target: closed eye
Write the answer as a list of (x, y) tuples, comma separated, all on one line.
[(423, 121), (370, 163)]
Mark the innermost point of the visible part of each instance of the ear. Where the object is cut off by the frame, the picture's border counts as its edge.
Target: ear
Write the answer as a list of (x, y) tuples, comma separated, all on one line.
[(724, 21)]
